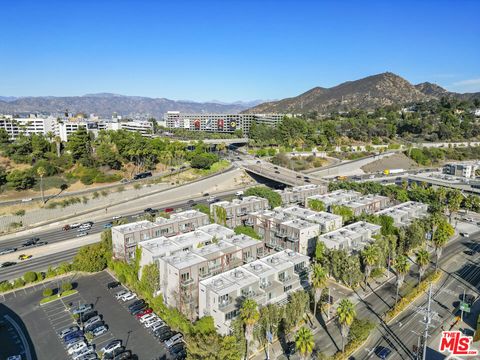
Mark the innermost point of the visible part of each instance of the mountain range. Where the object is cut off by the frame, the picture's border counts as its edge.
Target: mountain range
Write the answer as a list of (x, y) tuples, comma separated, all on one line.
[(105, 104), (367, 93)]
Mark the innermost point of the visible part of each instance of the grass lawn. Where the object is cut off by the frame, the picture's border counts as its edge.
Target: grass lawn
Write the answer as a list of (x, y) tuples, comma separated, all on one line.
[(56, 297)]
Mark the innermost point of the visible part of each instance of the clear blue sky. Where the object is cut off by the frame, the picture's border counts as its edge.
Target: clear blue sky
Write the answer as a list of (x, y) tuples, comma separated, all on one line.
[(232, 49)]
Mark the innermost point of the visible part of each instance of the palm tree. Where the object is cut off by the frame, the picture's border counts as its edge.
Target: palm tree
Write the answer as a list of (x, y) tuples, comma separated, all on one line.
[(58, 143), (41, 172), (423, 259), (346, 314), (249, 315), (370, 256), (402, 266), (304, 342), (319, 282)]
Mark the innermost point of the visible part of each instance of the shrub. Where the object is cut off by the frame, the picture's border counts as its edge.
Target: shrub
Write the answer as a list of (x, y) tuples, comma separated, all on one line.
[(67, 286), (122, 278), (247, 230), (30, 277), (203, 161), (18, 283), (5, 286), (19, 212), (47, 292)]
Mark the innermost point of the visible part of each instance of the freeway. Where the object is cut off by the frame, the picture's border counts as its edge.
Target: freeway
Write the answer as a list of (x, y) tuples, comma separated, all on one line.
[(41, 263)]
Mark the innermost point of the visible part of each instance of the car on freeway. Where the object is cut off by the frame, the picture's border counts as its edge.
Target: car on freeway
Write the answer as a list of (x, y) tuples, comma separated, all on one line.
[(107, 225), (116, 217), (211, 199), (84, 233), (113, 284), (111, 346), (24, 257), (8, 263), (67, 331), (82, 308), (7, 251), (382, 352), (173, 340), (307, 180), (469, 252), (169, 210), (66, 227), (75, 225), (41, 243), (102, 329), (143, 313), (465, 234), (31, 242), (84, 228), (148, 210), (206, 194)]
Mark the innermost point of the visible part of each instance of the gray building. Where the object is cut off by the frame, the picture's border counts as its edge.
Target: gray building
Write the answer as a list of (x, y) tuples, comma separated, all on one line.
[(236, 212), (299, 194)]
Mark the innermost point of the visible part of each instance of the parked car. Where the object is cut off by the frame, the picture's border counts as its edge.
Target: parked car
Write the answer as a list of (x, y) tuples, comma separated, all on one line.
[(149, 324), (143, 313), (102, 329), (119, 294), (7, 251), (77, 347), (159, 324), (111, 346), (111, 355), (8, 263), (136, 303), (164, 334), (116, 217), (67, 331), (211, 199), (173, 340), (82, 352), (138, 309), (87, 316), (128, 296), (92, 320), (176, 348), (148, 317), (89, 356), (113, 284), (74, 342), (24, 257), (168, 210), (290, 348), (82, 308), (73, 335), (127, 354)]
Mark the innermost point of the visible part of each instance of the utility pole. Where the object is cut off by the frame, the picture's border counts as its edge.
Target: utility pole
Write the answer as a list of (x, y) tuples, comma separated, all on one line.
[(428, 319), (461, 307)]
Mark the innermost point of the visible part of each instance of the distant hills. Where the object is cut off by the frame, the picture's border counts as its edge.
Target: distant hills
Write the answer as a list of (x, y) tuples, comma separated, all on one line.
[(105, 104), (367, 93)]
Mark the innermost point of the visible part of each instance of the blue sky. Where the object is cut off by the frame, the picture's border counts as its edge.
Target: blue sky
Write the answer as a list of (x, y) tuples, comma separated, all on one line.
[(232, 50)]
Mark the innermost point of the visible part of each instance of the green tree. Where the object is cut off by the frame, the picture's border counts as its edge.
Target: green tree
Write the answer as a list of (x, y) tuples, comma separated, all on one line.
[(346, 313), (320, 251), (454, 200), (80, 146), (270, 317), (345, 212), (211, 346), (442, 232), (150, 281), (316, 205), (249, 315), (3, 175), (304, 342), (203, 161), (423, 259), (402, 267), (370, 257), (30, 276), (247, 230), (47, 292), (295, 309), (41, 173), (274, 198), (90, 258), (319, 282), (20, 180)]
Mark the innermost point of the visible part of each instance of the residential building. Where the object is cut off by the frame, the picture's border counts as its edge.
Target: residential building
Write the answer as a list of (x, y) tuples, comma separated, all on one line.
[(268, 281), (14, 126), (145, 128), (351, 238), (327, 221), (335, 197), (298, 194), (404, 213), (126, 237), (223, 123), (281, 231), (354, 200), (465, 169), (236, 212)]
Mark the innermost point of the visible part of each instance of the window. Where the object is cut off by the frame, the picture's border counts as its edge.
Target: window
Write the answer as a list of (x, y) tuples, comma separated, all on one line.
[(185, 276), (231, 315), (287, 288)]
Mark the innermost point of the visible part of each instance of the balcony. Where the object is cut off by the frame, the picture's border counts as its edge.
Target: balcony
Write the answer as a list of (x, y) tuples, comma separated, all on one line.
[(214, 267), (204, 275), (265, 285), (280, 234), (248, 259), (249, 223), (224, 303), (270, 245), (292, 238), (228, 216), (186, 282)]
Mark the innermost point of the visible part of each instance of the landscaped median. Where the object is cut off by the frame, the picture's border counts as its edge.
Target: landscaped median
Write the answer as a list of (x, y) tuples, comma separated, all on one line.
[(64, 294)]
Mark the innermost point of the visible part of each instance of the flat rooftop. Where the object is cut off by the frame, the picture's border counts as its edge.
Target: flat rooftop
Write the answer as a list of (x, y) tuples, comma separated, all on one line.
[(192, 238), (216, 230), (135, 226), (215, 249), (184, 260), (243, 241)]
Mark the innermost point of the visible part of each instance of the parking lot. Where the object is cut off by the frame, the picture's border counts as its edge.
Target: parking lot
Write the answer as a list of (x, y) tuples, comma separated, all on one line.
[(44, 322)]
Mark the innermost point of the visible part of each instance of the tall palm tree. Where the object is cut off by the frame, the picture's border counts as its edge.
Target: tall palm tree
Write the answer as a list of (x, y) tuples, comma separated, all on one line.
[(346, 314), (304, 342), (319, 282), (423, 259), (41, 172), (402, 266), (370, 256), (249, 314), (58, 143)]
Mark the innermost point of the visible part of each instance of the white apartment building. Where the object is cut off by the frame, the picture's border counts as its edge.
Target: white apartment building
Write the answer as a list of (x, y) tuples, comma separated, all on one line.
[(327, 221), (351, 238), (267, 280), (236, 212), (404, 213), (28, 126), (299, 194), (126, 237), (283, 231), (464, 169), (335, 197), (143, 127), (223, 123)]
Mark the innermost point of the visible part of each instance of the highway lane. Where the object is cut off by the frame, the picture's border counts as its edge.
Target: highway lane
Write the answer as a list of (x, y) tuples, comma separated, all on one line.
[(40, 263)]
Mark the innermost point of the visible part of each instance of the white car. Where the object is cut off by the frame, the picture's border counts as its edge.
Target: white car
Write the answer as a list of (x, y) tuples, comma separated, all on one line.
[(116, 217), (111, 346), (157, 325), (91, 321), (67, 331), (129, 296), (84, 351), (147, 317), (120, 294), (70, 345), (173, 340), (77, 347), (99, 331), (211, 199), (76, 225), (239, 193), (151, 322), (82, 234)]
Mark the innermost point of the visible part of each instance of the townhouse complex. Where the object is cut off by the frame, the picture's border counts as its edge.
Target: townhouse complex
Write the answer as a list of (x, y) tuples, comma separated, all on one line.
[(235, 213), (358, 203), (351, 238), (463, 169), (267, 280), (299, 194), (403, 214)]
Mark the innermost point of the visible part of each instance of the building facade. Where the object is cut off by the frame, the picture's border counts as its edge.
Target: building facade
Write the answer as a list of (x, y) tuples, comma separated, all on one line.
[(236, 212), (299, 194), (351, 238), (466, 169), (403, 214)]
